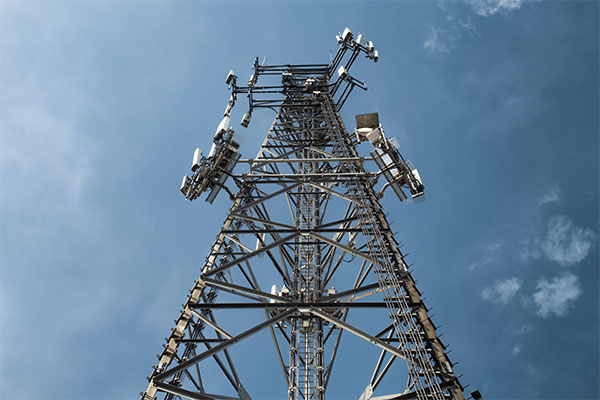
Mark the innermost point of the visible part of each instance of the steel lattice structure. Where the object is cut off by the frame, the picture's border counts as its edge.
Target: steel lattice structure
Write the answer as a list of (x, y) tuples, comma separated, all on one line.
[(307, 210)]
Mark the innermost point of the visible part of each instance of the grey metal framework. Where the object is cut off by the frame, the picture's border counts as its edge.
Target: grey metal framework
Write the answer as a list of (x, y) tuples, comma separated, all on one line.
[(305, 217)]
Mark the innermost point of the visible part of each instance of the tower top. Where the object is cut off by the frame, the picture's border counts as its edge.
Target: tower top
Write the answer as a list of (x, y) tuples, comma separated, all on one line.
[(296, 82)]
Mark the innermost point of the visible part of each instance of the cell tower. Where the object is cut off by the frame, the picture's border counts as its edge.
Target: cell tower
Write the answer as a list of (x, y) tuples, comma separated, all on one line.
[(305, 251)]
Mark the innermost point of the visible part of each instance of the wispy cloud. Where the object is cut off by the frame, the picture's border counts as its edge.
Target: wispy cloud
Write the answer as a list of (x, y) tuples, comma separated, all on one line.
[(487, 256), (443, 40), (554, 297), (561, 241), (438, 41), (495, 246), (54, 237), (502, 291), (42, 148), (554, 195), (531, 371), (486, 8), (525, 329), (512, 111)]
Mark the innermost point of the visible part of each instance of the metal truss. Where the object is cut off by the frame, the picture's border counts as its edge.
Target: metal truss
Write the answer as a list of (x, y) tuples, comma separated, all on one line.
[(306, 217)]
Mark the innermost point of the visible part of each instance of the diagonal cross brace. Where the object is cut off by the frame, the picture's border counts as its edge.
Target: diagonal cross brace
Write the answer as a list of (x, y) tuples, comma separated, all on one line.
[(250, 255), (222, 346), (345, 248), (265, 198), (361, 334)]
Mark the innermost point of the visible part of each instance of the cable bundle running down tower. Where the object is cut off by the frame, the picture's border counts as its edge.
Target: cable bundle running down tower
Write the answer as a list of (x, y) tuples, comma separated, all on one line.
[(304, 251)]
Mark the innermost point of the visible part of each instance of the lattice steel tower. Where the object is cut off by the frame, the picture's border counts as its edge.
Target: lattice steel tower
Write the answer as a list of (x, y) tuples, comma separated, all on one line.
[(305, 217)]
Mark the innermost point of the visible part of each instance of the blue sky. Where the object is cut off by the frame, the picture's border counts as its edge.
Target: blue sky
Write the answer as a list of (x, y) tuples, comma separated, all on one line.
[(101, 105)]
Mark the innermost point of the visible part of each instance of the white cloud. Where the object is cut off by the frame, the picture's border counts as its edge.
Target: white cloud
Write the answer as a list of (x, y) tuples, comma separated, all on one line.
[(516, 349), (554, 195), (554, 297), (565, 243), (502, 291), (562, 242), (438, 41), (485, 8)]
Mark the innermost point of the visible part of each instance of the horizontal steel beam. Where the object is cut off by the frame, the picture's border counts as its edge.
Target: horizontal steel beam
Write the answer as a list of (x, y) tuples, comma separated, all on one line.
[(315, 175), (349, 292), (346, 304), (200, 340), (263, 221), (291, 230), (165, 387), (235, 289), (294, 160), (414, 395)]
